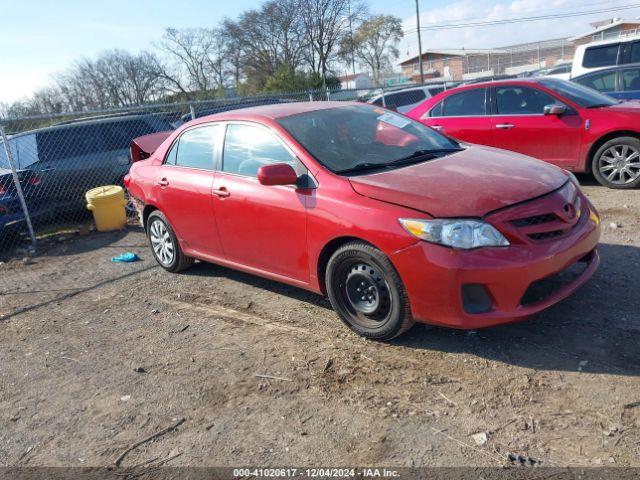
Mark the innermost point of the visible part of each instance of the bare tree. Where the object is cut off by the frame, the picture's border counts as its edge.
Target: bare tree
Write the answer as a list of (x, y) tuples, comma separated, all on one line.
[(116, 78), (269, 39), (196, 59), (374, 44), (327, 24)]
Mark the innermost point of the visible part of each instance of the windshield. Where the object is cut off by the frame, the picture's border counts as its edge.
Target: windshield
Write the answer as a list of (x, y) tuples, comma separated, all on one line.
[(583, 96), (362, 136)]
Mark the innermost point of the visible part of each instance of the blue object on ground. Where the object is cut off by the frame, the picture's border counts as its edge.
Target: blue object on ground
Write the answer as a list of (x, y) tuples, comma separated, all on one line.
[(126, 258)]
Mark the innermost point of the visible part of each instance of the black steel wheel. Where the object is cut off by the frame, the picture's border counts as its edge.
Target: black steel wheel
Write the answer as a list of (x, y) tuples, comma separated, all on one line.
[(367, 292)]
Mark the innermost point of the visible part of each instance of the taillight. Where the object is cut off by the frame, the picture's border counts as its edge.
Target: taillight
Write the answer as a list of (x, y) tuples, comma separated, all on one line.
[(33, 180)]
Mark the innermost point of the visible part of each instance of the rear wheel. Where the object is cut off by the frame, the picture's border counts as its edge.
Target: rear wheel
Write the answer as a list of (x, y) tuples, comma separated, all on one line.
[(164, 244), (367, 292), (616, 164)]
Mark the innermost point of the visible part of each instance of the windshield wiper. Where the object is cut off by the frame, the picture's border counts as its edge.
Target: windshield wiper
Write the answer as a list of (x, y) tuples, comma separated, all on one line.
[(417, 156), (420, 155), (358, 167)]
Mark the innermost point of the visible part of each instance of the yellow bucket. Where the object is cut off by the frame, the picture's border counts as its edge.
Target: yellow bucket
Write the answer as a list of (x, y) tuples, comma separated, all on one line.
[(107, 205)]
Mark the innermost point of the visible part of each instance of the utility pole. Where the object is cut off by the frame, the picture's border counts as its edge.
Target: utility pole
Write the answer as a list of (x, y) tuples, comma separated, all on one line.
[(419, 43), (353, 54)]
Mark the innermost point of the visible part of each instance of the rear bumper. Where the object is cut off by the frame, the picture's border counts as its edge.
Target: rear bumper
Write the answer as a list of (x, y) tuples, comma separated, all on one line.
[(434, 275)]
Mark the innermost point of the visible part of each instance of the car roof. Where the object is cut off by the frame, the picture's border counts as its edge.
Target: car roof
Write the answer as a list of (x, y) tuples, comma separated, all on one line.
[(104, 119), (609, 69), (275, 111)]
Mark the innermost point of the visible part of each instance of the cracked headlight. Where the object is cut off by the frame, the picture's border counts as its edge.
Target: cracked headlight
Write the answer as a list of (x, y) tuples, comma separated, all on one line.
[(465, 234)]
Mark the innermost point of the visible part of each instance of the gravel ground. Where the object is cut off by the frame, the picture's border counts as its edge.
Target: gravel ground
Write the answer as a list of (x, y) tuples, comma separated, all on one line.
[(95, 356)]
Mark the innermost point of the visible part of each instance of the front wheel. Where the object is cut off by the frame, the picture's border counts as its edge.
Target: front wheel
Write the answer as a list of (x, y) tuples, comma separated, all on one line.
[(367, 292), (164, 244), (616, 164)]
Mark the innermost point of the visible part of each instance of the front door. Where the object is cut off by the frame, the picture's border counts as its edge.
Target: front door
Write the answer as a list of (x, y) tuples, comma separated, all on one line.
[(183, 185), (520, 125), (260, 226)]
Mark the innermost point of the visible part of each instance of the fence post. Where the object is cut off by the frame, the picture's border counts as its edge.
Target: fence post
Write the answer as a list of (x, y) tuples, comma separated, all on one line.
[(311, 95), (16, 181), (192, 111), (384, 99)]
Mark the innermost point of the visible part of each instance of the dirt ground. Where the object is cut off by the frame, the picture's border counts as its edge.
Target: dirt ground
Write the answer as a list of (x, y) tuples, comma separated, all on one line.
[(95, 356)]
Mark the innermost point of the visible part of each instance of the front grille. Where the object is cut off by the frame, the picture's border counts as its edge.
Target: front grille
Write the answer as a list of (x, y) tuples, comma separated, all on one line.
[(535, 220), (542, 289), (540, 237)]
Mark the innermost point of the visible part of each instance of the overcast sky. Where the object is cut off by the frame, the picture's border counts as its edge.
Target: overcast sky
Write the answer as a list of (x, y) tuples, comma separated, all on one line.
[(41, 37)]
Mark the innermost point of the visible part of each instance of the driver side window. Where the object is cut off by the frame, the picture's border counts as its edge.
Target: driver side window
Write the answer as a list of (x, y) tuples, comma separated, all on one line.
[(247, 148), (522, 101)]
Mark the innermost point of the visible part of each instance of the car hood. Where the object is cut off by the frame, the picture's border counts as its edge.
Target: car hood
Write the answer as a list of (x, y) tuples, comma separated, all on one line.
[(470, 183)]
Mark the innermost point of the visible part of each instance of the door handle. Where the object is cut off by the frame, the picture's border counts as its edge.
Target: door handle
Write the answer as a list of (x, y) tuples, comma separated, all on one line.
[(439, 128), (163, 182), (505, 126), (221, 192)]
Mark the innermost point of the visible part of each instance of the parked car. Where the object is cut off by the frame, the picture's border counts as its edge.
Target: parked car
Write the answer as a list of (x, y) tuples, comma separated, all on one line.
[(407, 98), (562, 71), (11, 211), (621, 82), (553, 120), (70, 158), (605, 53), (393, 221)]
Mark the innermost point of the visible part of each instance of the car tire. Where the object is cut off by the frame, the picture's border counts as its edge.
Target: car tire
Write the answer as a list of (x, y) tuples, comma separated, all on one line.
[(164, 244), (367, 293), (611, 157)]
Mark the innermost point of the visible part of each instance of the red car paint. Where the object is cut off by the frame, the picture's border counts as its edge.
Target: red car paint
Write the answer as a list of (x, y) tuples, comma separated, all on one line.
[(287, 234), (567, 140)]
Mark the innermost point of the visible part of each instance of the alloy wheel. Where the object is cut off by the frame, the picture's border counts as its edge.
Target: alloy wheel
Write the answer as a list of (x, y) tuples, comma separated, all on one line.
[(620, 164), (161, 242)]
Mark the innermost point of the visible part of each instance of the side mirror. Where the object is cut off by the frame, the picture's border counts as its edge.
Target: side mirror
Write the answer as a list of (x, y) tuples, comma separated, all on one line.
[(555, 109), (277, 174)]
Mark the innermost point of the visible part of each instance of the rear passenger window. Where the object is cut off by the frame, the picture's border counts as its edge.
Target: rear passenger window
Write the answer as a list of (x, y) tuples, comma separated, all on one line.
[(436, 111), (521, 101), (196, 148), (603, 82), (601, 56), (465, 104), (435, 91)]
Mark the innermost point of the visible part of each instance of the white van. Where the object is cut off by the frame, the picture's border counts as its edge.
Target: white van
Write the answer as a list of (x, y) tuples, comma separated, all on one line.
[(605, 53)]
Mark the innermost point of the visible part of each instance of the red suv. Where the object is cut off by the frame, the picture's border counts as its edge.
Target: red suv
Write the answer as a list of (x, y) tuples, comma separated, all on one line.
[(560, 122), (393, 221)]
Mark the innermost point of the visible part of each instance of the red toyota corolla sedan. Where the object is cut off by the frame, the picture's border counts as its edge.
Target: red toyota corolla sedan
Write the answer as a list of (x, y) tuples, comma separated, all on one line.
[(560, 122), (390, 219)]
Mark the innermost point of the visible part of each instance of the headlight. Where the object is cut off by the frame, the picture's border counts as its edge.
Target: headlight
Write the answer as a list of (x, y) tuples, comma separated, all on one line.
[(464, 234)]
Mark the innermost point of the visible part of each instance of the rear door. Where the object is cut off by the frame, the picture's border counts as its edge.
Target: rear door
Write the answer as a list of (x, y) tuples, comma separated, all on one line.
[(66, 162), (520, 125), (463, 116), (183, 186)]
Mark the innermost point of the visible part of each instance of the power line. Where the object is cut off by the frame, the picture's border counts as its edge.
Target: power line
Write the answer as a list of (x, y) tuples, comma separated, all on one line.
[(486, 23)]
